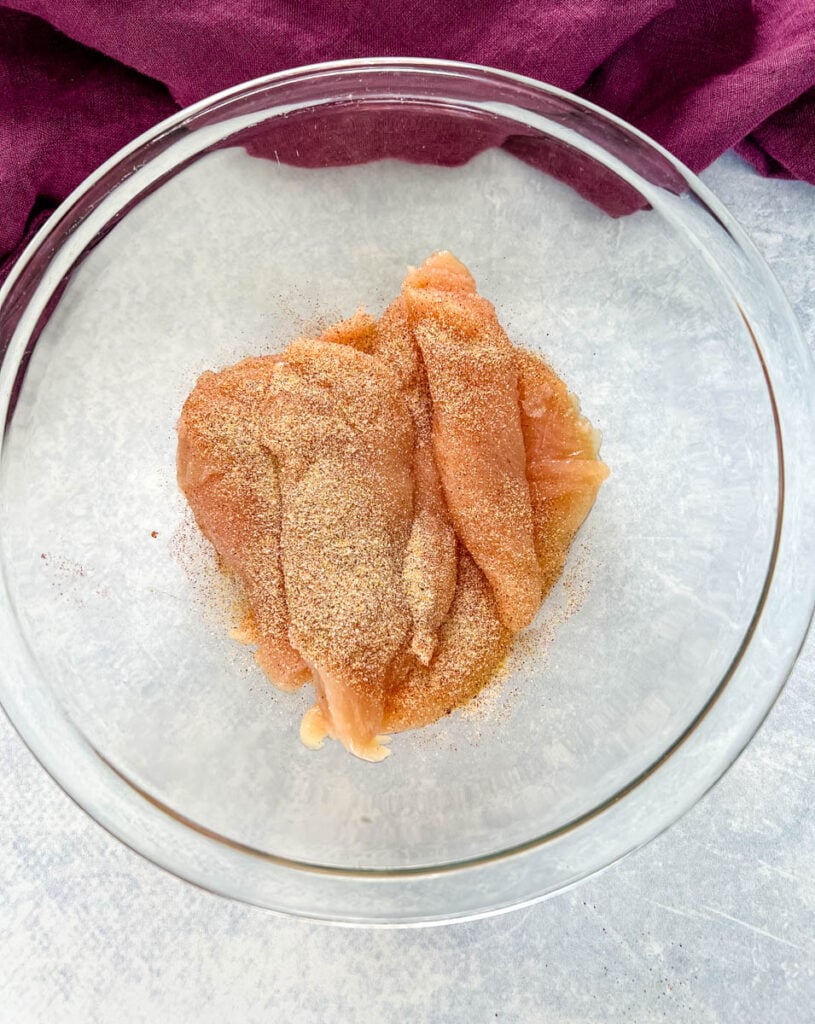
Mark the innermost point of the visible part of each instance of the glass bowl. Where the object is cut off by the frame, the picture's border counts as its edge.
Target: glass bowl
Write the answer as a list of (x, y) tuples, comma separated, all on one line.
[(276, 207)]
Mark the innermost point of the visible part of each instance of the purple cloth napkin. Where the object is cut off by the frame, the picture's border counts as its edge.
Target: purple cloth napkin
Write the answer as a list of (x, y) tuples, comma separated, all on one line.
[(79, 78)]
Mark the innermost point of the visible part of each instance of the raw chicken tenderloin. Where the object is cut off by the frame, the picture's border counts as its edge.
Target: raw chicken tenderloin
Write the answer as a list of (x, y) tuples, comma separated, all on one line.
[(429, 576), (342, 436), (477, 438), (230, 482), (471, 646), (360, 331), (562, 467)]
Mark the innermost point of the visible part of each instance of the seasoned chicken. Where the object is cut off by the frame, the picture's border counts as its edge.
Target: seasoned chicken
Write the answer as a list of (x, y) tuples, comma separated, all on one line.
[(230, 482), (395, 497), (341, 434), (472, 644), (429, 576), (360, 331), (562, 467), (477, 439)]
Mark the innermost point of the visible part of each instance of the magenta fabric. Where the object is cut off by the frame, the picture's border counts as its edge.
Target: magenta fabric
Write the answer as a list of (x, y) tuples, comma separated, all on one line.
[(79, 78)]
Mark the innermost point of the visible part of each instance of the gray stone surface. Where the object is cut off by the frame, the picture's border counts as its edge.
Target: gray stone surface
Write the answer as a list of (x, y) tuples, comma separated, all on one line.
[(712, 922)]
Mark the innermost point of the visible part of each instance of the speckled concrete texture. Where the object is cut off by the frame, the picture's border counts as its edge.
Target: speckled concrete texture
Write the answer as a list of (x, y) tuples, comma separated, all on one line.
[(712, 923)]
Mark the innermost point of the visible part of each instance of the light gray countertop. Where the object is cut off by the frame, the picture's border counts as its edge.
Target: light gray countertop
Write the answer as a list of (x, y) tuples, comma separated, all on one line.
[(712, 922)]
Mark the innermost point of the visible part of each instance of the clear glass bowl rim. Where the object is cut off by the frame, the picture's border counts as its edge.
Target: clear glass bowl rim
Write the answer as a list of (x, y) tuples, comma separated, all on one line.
[(334, 71)]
